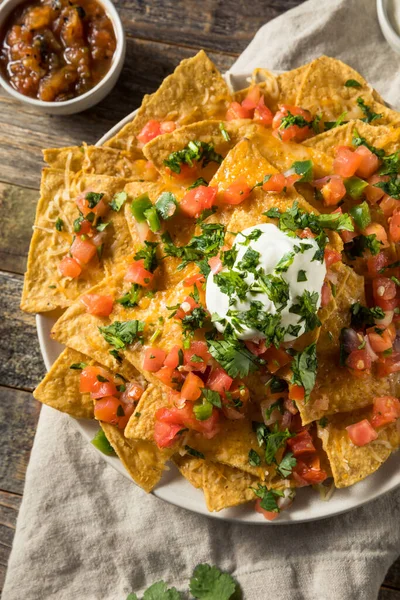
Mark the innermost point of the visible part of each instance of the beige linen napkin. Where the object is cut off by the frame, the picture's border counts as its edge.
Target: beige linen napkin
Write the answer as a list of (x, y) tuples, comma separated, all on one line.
[(85, 532)]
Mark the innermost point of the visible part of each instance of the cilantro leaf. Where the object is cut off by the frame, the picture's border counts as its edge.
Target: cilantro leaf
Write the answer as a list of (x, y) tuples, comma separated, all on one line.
[(159, 591), (339, 121), (268, 498), (148, 254), (232, 283), (391, 187), (78, 366), (287, 464), (166, 205), (224, 132), (353, 83), (209, 583), (197, 183), (194, 452), (358, 140), (132, 596), (93, 198), (254, 458), (362, 316), (274, 406), (274, 440), (122, 333), (360, 244), (303, 168), (118, 201), (132, 297), (370, 115), (306, 308), (288, 120), (212, 396), (233, 356), (59, 224), (304, 367), (390, 164), (195, 151)]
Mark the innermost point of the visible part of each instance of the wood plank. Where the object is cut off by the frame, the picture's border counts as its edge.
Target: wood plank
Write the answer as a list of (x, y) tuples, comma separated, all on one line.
[(388, 594), (224, 26), (24, 132), (17, 205), (392, 578), (9, 506), (21, 364), (19, 413)]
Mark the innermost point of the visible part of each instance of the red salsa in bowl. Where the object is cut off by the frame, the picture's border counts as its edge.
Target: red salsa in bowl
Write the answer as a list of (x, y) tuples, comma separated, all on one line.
[(56, 50)]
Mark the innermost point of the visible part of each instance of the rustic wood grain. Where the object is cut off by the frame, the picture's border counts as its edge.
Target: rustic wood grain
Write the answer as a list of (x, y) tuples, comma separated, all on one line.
[(17, 206), (21, 364), (214, 25), (22, 138), (9, 506), (392, 578), (388, 594)]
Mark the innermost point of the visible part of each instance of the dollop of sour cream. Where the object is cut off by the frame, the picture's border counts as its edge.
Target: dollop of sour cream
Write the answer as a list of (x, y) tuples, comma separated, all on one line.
[(304, 273)]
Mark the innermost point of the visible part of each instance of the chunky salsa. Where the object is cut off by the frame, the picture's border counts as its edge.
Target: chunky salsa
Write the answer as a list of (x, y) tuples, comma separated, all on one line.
[(55, 50)]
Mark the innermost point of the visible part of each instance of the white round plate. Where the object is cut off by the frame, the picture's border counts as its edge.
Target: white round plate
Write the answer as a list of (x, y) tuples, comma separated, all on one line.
[(175, 489)]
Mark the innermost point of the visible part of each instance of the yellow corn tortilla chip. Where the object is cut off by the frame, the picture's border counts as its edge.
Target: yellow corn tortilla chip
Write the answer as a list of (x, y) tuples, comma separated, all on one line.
[(191, 468), (209, 132), (343, 135), (290, 84), (144, 462), (60, 387), (194, 92), (225, 487), (98, 160), (349, 463), (44, 287)]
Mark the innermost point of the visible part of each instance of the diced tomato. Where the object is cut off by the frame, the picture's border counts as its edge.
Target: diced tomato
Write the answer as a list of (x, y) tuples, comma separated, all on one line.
[(252, 98), (219, 381), (132, 393), (173, 357), (388, 205), (185, 417), (68, 267), (151, 130), (306, 233), (138, 274), (186, 307), (198, 279), (111, 410), (301, 444), (237, 111), (268, 514), (387, 305), (198, 199), (256, 348), (276, 358), (296, 392), (376, 263), (276, 183), (191, 389), (293, 132), (369, 162), (167, 127), (83, 202), (331, 257), (186, 172), (83, 250), (85, 227), (386, 410), (333, 191), (383, 288), (237, 192), (89, 377), (215, 264), (326, 294), (238, 391), (198, 349), (361, 433), (359, 361), (153, 359), (95, 304), (380, 342), (311, 475), (373, 193), (346, 162), (394, 226), (379, 232), (100, 389), (170, 377), (262, 114), (347, 236), (165, 433), (388, 365)]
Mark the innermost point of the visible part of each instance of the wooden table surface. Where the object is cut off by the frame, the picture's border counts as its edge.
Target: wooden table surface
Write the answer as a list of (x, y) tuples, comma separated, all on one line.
[(160, 33)]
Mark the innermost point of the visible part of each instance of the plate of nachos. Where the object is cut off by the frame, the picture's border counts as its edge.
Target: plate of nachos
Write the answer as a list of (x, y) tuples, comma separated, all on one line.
[(217, 284)]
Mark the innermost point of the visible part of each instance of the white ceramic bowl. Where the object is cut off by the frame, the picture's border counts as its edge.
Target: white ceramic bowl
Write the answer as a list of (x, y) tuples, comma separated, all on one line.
[(387, 11), (93, 96)]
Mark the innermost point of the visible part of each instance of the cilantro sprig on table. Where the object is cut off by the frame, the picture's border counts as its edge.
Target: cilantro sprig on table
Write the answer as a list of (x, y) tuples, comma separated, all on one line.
[(206, 583)]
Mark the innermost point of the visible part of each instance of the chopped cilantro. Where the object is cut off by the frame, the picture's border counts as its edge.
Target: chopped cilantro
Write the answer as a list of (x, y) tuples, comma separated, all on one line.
[(197, 183), (284, 263), (370, 115), (228, 257), (361, 215), (304, 367), (195, 151), (93, 199), (131, 298), (194, 452), (118, 201), (362, 316), (287, 464), (78, 366), (306, 308), (268, 497), (323, 422), (274, 406), (391, 187), (301, 275), (288, 120), (390, 164), (353, 83), (233, 356), (224, 132), (166, 205), (212, 396), (59, 224), (339, 121), (115, 354), (148, 254), (194, 320), (360, 244), (232, 283), (254, 458), (122, 333), (200, 247), (303, 168), (358, 140), (250, 260), (275, 440)]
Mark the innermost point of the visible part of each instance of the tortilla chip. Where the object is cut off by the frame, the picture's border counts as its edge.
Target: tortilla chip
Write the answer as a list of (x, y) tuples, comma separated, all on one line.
[(60, 387), (144, 462), (191, 468), (343, 135), (209, 132), (97, 160), (141, 427), (225, 487), (44, 287), (194, 92), (350, 463)]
